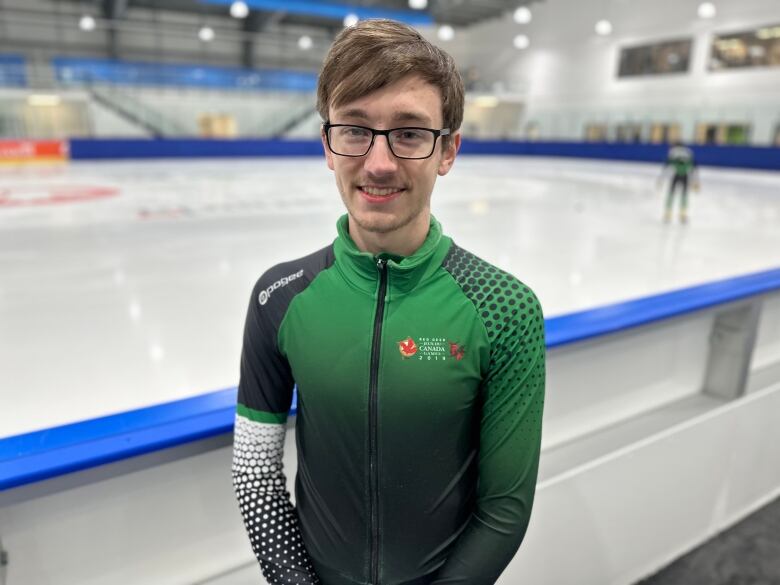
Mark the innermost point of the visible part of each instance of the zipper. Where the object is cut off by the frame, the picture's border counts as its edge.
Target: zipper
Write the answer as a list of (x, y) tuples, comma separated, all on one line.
[(381, 265)]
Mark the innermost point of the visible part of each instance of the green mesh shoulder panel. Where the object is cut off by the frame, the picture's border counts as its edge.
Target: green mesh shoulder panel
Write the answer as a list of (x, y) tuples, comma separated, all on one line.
[(503, 302), (511, 421), (513, 320)]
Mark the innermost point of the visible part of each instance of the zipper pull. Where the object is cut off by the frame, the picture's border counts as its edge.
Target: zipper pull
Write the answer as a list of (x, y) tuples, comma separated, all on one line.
[(381, 263)]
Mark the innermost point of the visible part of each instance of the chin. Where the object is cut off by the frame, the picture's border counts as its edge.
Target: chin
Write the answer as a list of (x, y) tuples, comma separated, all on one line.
[(379, 222)]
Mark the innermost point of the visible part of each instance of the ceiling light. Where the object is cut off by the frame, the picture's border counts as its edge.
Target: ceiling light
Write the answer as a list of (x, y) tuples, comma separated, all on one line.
[(418, 4), (87, 22), (523, 15), (522, 42), (156, 352), (446, 32), (206, 34), (351, 20), (707, 10), (304, 43), (604, 27), (239, 9)]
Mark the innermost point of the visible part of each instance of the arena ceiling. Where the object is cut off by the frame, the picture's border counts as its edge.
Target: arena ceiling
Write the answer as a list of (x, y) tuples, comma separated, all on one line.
[(458, 13)]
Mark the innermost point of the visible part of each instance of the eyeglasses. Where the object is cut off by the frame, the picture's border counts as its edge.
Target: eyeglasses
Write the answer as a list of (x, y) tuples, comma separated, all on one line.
[(410, 142)]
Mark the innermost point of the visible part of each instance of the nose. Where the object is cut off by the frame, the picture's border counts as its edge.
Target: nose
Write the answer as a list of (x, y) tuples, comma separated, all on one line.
[(380, 160)]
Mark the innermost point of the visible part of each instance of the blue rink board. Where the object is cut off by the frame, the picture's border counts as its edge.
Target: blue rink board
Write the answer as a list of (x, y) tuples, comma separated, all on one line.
[(746, 157), (49, 453)]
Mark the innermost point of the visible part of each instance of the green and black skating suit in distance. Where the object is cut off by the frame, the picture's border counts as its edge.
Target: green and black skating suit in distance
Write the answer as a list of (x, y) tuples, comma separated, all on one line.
[(681, 159), (420, 393)]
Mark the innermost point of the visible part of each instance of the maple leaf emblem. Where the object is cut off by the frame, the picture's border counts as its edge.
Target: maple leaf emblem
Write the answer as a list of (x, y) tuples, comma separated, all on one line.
[(457, 351), (407, 347)]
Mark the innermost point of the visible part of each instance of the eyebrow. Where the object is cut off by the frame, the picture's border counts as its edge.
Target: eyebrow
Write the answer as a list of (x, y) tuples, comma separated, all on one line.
[(400, 117)]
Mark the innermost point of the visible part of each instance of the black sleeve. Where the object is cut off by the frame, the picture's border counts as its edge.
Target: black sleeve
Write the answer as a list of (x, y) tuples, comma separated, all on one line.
[(264, 398)]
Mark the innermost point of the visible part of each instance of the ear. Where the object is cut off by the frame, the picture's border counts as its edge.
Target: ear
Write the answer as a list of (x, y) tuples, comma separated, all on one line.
[(448, 154), (328, 153)]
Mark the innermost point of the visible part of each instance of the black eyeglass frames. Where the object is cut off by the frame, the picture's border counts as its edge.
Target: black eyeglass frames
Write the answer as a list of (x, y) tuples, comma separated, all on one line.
[(409, 142)]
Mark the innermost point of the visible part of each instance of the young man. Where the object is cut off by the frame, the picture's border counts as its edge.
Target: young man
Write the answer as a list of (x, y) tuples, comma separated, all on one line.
[(683, 165), (419, 367)]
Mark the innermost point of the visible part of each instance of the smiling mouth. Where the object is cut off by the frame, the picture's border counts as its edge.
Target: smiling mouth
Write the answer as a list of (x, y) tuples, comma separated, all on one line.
[(380, 195)]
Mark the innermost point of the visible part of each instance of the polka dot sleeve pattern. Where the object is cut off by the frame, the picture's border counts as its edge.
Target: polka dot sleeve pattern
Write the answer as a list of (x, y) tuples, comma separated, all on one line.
[(269, 516), (511, 420)]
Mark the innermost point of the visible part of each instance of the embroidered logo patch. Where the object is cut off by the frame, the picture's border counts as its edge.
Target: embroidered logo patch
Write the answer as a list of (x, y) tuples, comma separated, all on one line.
[(457, 351), (431, 349), (407, 347)]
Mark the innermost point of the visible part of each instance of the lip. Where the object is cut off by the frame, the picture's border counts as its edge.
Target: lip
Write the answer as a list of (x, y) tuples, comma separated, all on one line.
[(380, 199)]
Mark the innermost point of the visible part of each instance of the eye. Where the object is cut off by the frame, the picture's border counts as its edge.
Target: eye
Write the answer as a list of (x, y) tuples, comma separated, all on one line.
[(354, 132), (409, 134)]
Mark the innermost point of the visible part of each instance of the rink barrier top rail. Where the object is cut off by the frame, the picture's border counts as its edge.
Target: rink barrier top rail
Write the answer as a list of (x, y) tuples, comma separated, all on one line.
[(49, 453), (746, 157)]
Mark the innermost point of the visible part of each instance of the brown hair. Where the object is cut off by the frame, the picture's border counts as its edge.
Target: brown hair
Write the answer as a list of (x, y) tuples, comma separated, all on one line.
[(375, 53)]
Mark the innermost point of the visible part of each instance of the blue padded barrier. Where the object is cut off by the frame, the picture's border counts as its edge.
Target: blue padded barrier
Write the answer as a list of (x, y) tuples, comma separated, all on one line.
[(748, 157), (53, 452), (573, 327), (132, 148)]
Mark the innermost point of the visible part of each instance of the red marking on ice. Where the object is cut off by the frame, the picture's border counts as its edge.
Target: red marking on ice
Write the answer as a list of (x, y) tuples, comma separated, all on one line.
[(53, 195)]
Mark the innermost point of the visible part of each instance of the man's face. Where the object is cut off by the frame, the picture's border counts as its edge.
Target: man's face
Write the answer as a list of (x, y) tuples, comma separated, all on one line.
[(381, 192)]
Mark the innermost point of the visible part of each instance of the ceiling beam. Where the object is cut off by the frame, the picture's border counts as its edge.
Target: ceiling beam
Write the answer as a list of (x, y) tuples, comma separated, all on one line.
[(113, 10), (254, 23), (334, 11)]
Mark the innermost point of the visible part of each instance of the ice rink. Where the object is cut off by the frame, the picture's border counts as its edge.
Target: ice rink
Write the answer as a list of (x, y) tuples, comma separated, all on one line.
[(125, 284)]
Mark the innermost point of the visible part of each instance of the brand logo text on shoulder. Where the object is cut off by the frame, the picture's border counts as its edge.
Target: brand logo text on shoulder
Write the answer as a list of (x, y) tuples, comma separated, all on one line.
[(265, 294)]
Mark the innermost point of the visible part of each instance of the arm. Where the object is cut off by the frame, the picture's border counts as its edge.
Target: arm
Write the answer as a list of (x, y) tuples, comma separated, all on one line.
[(264, 398), (510, 439)]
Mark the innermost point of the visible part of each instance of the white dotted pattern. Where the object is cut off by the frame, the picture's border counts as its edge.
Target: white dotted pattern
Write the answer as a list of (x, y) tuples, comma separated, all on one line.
[(269, 517)]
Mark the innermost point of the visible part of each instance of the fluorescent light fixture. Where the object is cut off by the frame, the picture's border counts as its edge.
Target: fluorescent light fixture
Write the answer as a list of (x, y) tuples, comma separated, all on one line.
[(87, 22), (446, 32), (707, 10), (304, 43), (44, 100), (604, 28), (486, 101), (523, 15), (351, 20), (239, 9), (206, 34), (522, 42), (418, 4)]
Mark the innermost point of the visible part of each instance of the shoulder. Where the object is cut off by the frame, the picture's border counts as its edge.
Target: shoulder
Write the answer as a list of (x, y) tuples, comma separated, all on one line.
[(280, 283), (503, 301)]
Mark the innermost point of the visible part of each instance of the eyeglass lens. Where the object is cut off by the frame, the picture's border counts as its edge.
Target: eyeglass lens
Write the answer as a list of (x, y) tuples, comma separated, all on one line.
[(404, 142)]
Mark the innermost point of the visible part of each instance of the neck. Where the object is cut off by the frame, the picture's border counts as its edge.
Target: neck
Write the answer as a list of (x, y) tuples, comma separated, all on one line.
[(401, 242)]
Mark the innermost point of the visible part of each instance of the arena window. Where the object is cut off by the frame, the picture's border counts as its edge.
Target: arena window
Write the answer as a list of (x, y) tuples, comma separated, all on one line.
[(753, 48), (655, 59)]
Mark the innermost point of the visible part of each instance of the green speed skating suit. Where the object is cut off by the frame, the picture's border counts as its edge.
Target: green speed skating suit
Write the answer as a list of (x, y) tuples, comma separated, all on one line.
[(420, 391), (680, 158)]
